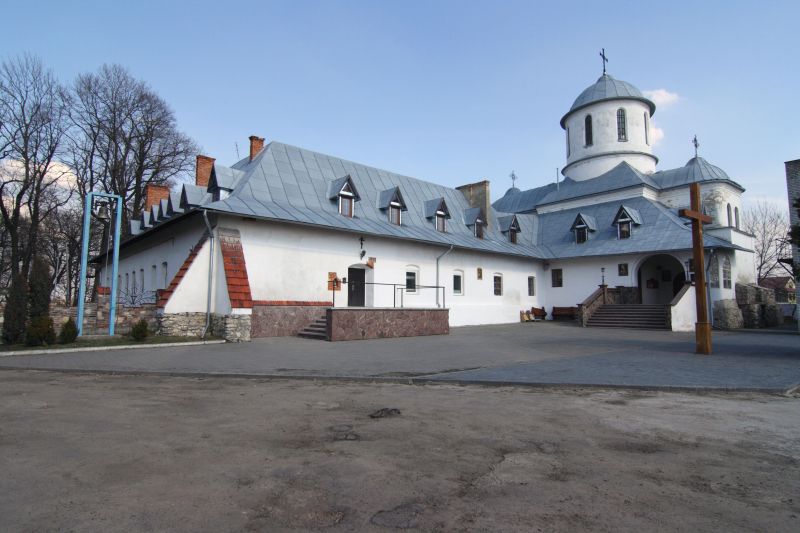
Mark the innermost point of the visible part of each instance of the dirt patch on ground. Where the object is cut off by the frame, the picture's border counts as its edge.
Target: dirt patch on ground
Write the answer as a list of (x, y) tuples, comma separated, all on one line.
[(149, 453)]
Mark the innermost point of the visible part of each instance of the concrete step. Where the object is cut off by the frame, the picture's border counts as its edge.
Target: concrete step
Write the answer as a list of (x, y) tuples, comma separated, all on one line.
[(308, 334)]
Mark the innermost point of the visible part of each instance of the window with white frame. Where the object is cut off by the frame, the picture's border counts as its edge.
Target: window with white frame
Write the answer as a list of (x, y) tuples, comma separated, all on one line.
[(581, 233), (458, 283), (479, 228), (395, 216), (441, 221), (624, 227), (726, 274), (346, 205), (498, 284), (622, 125), (531, 285), (713, 272)]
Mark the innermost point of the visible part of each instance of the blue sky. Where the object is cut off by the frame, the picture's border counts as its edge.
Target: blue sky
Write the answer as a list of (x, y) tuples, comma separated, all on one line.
[(452, 92)]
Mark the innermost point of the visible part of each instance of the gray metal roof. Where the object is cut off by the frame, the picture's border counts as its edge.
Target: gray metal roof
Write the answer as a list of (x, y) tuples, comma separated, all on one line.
[(391, 195), (607, 88), (507, 223), (661, 229), (224, 177), (292, 185), (437, 204), (621, 176)]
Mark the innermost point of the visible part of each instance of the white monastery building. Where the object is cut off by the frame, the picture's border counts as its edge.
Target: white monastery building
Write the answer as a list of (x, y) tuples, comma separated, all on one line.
[(287, 233)]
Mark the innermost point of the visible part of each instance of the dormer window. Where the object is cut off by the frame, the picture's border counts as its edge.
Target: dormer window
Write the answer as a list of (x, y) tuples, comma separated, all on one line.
[(394, 213), (392, 202), (479, 228), (625, 219), (441, 222), (582, 226), (345, 193), (509, 225), (346, 205)]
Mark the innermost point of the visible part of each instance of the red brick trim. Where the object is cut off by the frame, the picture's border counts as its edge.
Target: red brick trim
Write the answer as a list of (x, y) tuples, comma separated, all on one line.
[(235, 269), (165, 294), (298, 303)]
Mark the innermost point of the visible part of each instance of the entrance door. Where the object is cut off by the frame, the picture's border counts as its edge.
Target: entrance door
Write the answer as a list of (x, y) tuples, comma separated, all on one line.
[(355, 287)]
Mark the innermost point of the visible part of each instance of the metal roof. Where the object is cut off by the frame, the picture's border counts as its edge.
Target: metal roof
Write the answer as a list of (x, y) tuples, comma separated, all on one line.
[(607, 88), (696, 169), (224, 177)]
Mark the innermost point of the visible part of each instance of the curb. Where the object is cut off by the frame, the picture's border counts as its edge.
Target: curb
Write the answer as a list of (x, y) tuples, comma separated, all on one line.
[(108, 348), (420, 380)]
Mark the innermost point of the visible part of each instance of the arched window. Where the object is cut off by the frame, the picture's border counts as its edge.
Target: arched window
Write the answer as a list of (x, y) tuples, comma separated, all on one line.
[(730, 216), (736, 216), (647, 128), (587, 126), (567, 142), (164, 280), (713, 272), (622, 127), (726, 273)]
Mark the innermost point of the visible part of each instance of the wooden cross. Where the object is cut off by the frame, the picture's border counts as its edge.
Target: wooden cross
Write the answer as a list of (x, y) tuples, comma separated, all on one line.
[(605, 59), (702, 328)]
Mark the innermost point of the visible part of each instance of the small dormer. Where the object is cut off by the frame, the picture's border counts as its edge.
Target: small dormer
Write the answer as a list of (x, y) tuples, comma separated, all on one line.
[(145, 220), (391, 201), (222, 182), (475, 219), (437, 211), (582, 226), (344, 191), (625, 219), (509, 226), (174, 204), (163, 211)]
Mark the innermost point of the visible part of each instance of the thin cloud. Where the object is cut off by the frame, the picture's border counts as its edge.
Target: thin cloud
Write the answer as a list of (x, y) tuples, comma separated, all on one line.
[(656, 133), (662, 97)]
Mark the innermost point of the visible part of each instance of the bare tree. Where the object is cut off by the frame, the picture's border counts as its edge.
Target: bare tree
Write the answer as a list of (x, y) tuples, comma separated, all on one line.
[(769, 226), (125, 138), (33, 123)]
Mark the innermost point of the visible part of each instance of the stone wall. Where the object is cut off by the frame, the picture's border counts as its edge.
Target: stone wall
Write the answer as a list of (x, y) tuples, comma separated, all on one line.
[(349, 323), (727, 315), (275, 320), (232, 328), (758, 306)]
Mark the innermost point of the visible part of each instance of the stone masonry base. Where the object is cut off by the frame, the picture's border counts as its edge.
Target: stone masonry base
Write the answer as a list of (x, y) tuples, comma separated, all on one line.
[(349, 323)]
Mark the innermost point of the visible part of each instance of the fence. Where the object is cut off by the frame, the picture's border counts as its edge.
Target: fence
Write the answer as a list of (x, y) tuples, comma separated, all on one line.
[(400, 288)]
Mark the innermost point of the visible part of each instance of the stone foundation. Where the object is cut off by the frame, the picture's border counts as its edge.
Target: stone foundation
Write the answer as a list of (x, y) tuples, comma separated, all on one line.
[(232, 328), (349, 323), (727, 315), (276, 320)]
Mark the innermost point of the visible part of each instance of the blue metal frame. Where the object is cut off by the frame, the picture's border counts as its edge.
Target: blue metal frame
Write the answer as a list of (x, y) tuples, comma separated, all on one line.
[(87, 216)]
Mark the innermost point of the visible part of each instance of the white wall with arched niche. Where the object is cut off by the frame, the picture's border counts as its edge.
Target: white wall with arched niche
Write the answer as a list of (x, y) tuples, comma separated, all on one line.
[(607, 151)]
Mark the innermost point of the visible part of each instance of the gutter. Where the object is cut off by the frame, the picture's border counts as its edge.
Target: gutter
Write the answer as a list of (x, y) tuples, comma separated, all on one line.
[(438, 257), (210, 273)]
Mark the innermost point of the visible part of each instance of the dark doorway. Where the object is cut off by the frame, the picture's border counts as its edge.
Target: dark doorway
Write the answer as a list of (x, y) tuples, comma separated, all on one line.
[(355, 287), (678, 283)]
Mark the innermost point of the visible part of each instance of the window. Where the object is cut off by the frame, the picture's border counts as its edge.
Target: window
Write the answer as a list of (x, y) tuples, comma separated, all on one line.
[(394, 213), (164, 280), (557, 276), (498, 285), (624, 229), (458, 284), (647, 128), (587, 126), (567, 142), (713, 272), (441, 222), (581, 234), (622, 127), (726, 273), (690, 270), (730, 216), (622, 269), (512, 236), (153, 277), (479, 229), (736, 216), (411, 281), (141, 279), (346, 206), (531, 285), (133, 280), (480, 273), (127, 283)]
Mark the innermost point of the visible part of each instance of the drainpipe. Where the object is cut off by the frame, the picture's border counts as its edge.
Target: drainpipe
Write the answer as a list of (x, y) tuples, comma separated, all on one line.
[(438, 257), (210, 272)]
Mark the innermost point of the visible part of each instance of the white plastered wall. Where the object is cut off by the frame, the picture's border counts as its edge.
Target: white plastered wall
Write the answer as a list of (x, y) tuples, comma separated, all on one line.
[(605, 140), (292, 262)]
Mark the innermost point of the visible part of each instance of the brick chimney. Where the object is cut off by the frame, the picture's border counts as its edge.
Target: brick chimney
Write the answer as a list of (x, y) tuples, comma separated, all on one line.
[(256, 145), (477, 194), (202, 173), (153, 194)]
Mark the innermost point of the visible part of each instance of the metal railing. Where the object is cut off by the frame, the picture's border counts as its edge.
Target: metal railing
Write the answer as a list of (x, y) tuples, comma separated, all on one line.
[(400, 288), (137, 298)]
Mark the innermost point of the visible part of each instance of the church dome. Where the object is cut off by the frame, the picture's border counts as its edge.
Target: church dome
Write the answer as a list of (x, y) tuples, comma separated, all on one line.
[(607, 88)]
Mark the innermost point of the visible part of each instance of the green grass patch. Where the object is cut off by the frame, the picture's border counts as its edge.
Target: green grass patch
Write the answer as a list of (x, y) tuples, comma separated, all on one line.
[(99, 341)]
